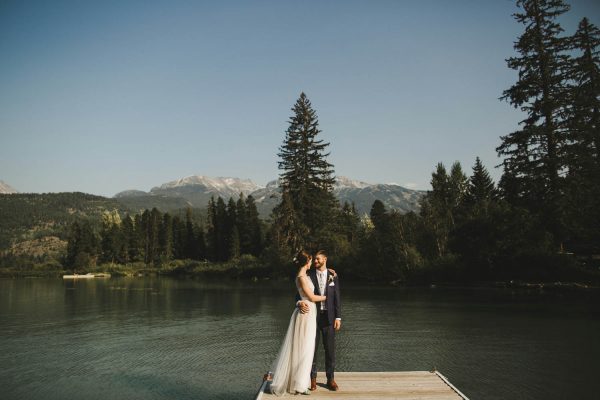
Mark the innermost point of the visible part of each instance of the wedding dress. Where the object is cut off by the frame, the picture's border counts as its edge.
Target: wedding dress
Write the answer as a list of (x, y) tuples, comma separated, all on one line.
[(291, 369)]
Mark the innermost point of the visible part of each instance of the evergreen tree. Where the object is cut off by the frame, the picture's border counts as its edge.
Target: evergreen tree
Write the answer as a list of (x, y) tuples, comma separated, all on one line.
[(253, 228), (190, 237), (165, 238), (379, 215), (111, 238), (200, 243), (481, 189), (179, 238), (234, 243), (139, 240), (231, 225), (82, 246), (448, 192), (73, 243), (306, 177), (458, 186), (583, 118), (153, 228), (387, 247), (223, 234), (145, 231), (212, 231), (377, 240), (584, 95), (288, 230), (534, 154), (150, 226), (130, 249), (350, 223), (243, 226)]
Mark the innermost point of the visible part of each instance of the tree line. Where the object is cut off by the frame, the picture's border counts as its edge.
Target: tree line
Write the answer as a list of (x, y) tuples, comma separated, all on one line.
[(155, 238)]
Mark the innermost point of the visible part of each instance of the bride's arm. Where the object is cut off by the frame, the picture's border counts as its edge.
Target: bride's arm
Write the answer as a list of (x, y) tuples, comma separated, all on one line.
[(309, 293)]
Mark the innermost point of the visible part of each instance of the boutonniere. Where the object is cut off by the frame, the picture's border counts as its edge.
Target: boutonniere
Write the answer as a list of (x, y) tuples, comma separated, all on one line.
[(330, 280)]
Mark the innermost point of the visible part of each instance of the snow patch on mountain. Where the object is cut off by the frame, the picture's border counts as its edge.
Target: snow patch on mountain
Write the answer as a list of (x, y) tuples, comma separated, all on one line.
[(6, 188), (219, 184), (343, 182)]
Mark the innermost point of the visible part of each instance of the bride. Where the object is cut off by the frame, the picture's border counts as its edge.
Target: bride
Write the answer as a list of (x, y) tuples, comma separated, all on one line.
[(291, 372)]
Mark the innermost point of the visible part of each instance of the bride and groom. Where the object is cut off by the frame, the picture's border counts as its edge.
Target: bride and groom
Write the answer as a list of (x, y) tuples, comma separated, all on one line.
[(317, 316)]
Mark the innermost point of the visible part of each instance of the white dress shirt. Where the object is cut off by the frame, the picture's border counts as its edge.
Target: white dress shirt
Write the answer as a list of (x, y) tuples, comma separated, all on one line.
[(322, 280)]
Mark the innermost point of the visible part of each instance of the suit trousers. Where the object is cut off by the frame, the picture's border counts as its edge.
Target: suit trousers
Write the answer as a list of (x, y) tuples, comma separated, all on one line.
[(327, 333)]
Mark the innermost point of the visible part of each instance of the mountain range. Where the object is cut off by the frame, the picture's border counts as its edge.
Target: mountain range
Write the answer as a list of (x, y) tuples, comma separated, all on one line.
[(196, 191)]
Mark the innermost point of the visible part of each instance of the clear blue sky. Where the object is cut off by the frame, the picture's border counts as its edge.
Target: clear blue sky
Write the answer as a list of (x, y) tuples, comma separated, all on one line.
[(105, 96)]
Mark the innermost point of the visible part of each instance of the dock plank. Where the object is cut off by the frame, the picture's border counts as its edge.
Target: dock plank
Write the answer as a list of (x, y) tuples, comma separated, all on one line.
[(406, 385)]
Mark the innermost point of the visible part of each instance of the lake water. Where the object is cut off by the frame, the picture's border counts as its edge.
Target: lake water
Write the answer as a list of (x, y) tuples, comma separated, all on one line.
[(162, 338)]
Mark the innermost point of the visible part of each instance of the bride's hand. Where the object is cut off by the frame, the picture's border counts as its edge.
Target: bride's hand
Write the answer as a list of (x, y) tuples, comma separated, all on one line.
[(332, 272)]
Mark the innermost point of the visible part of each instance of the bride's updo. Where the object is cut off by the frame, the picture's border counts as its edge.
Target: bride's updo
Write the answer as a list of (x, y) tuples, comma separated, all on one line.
[(301, 258)]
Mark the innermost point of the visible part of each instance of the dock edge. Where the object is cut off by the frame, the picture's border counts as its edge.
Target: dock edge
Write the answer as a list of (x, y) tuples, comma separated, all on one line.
[(442, 377)]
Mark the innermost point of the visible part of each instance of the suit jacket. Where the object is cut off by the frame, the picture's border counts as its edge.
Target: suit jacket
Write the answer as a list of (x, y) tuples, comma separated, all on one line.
[(332, 291)]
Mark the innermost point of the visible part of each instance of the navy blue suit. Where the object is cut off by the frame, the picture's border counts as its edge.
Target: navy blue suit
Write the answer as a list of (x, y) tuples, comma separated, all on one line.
[(325, 321)]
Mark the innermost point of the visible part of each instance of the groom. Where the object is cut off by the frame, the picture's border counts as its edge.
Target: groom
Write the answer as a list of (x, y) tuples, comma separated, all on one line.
[(328, 317)]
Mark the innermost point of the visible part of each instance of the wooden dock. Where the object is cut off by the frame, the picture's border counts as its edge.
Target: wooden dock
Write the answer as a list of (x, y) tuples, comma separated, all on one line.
[(410, 385)]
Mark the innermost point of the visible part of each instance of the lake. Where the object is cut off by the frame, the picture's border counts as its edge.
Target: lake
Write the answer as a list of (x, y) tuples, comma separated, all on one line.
[(163, 338)]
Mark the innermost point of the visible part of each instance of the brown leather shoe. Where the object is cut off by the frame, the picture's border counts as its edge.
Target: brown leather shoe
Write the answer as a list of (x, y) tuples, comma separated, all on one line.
[(331, 385), (313, 384)]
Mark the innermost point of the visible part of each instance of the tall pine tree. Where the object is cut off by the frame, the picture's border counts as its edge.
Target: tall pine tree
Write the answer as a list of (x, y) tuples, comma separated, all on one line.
[(306, 176), (534, 154), (584, 95), (583, 151)]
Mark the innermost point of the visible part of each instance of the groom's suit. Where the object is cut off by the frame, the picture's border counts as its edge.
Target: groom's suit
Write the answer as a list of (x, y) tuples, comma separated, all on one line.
[(325, 321)]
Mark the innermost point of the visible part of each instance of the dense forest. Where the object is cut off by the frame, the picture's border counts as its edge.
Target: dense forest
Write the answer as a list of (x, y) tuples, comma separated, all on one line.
[(155, 238), (540, 222)]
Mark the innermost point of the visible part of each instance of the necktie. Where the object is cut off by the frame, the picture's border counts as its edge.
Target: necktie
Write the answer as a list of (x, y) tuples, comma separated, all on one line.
[(322, 287)]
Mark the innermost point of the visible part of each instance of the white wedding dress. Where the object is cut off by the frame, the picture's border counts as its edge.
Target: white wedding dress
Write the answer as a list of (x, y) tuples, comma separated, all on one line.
[(291, 369)]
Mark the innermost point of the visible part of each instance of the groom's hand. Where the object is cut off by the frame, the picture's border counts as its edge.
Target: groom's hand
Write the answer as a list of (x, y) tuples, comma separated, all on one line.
[(337, 324), (303, 306)]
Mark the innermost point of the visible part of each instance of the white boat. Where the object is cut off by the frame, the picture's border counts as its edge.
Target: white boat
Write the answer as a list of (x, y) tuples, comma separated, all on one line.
[(87, 276)]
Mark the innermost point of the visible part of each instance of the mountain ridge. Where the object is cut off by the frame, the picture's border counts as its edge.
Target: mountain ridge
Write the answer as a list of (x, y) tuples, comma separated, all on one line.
[(197, 190)]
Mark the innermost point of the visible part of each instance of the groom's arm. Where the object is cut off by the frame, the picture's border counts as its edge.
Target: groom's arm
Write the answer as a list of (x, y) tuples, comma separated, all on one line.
[(337, 304), (301, 304)]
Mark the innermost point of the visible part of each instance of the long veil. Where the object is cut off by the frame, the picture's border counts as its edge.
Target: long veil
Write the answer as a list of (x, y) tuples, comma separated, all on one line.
[(282, 365)]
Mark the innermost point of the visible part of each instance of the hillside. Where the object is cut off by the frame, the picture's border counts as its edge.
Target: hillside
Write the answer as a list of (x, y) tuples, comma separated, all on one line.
[(30, 216)]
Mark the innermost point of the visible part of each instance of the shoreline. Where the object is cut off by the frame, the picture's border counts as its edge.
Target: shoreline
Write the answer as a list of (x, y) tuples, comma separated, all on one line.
[(256, 273)]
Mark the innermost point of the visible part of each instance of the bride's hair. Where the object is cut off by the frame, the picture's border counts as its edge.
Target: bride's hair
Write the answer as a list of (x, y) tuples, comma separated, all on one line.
[(301, 259)]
